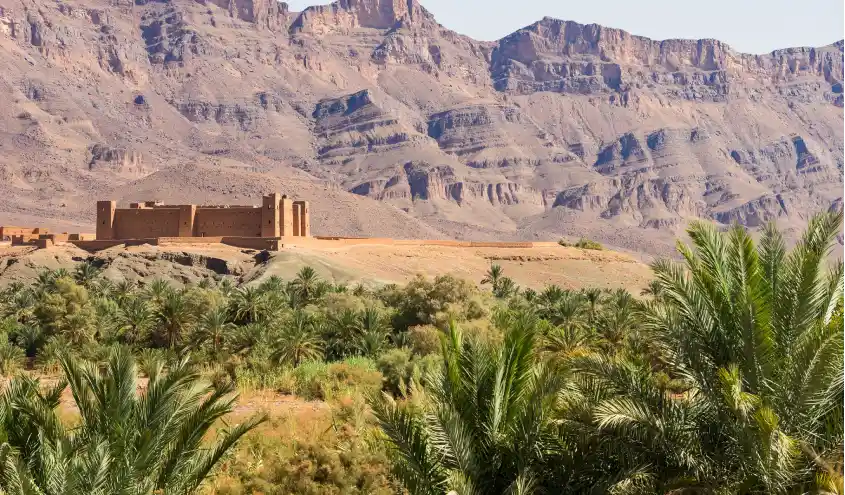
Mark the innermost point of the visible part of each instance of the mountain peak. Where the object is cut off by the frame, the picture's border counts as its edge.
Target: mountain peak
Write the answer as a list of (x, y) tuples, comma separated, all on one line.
[(344, 15)]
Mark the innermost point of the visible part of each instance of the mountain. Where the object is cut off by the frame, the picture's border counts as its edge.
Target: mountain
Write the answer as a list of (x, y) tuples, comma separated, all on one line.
[(393, 125)]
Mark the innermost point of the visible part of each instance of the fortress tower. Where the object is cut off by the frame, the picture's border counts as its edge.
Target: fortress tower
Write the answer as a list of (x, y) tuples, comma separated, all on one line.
[(278, 216)]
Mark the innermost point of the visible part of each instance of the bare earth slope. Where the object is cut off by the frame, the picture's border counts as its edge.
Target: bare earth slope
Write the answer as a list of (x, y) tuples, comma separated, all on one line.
[(393, 125), (535, 267)]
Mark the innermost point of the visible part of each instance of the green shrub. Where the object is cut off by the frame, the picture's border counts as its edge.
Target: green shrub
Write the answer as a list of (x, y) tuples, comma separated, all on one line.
[(316, 380), (399, 368), (11, 358), (396, 367), (585, 243), (314, 453), (424, 339), (423, 301), (278, 378), (582, 243)]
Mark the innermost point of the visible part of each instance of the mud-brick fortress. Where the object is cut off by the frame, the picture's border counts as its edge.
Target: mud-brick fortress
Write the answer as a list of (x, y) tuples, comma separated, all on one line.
[(277, 223), (278, 216)]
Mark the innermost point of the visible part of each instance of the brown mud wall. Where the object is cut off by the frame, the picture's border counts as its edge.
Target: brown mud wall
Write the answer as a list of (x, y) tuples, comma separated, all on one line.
[(234, 222), (146, 222)]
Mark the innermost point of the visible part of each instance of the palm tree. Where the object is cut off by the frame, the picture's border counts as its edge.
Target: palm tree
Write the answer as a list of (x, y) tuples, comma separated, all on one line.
[(123, 290), (502, 287), (136, 319), (157, 290), (567, 340), (248, 305), (561, 307), (593, 295), (493, 275), (506, 288), (307, 285), (174, 316), (213, 329), (226, 286), (44, 281), (617, 319), (548, 299), (30, 337), (246, 338), (273, 283), (752, 332), (298, 341), (85, 273), (486, 423), (67, 311), (126, 442), (21, 305), (757, 322), (653, 289), (342, 335), (373, 328)]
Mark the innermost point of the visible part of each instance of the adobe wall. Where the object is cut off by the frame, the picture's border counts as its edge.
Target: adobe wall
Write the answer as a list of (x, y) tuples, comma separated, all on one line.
[(234, 221), (165, 241), (252, 243), (145, 222), (96, 245), (105, 219), (9, 231)]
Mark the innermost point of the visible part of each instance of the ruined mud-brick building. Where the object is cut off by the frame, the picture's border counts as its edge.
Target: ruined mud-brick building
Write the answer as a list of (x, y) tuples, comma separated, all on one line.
[(278, 216)]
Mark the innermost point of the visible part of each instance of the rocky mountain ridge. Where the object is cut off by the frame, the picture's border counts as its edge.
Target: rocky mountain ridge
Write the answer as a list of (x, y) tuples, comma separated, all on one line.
[(556, 129)]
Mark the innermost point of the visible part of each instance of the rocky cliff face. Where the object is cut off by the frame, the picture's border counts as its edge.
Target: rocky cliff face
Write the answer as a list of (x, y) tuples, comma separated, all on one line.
[(558, 128)]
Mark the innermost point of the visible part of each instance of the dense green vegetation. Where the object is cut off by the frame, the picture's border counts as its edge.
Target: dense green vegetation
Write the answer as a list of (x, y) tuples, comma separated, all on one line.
[(583, 243), (724, 376)]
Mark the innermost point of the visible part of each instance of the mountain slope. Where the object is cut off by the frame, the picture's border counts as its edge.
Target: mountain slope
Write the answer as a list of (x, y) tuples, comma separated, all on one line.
[(558, 128)]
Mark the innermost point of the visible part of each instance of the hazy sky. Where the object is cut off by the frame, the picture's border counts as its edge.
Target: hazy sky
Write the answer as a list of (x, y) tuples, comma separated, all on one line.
[(754, 26)]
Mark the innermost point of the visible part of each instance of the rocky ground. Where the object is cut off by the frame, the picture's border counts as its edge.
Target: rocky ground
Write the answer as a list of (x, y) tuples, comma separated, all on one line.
[(393, 125), (369, 264)]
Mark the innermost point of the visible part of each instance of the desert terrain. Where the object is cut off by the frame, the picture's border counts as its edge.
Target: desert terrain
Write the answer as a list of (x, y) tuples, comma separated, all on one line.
[(393, 125), (567, 267)]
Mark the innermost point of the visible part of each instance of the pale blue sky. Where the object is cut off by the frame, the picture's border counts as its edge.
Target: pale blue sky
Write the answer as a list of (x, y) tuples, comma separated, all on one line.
[(753, 26)]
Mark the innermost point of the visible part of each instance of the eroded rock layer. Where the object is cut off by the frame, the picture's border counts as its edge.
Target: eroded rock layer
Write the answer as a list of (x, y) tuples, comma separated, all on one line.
[(395, 125)]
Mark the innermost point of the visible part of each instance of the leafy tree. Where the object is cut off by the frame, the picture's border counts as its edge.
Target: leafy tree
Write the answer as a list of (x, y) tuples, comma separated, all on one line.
[(424, 301), (126, 442)]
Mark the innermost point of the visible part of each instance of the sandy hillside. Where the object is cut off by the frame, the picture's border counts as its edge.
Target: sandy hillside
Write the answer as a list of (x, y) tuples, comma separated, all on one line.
[(371, 264)]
